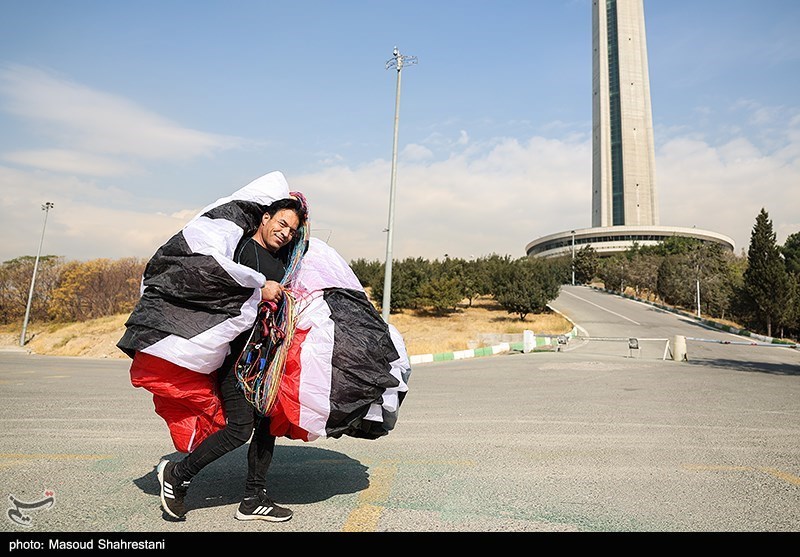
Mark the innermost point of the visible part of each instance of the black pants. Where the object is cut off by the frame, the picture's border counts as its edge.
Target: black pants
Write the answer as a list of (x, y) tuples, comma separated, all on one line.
[(242, 421)]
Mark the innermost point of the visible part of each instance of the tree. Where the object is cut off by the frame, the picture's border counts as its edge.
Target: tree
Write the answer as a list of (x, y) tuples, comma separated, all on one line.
[(527, 286), (561, 266), (765, 280), (367, 272), (791, 253), (675, 280), (15, 284), (791, 257), (674, 245), (441, 294), (792, 316), (465, 276), (586, 265), (472, 281), (491, 269), (407, 277), (613, 272), (96, 288), (719, 273), (642, 272)]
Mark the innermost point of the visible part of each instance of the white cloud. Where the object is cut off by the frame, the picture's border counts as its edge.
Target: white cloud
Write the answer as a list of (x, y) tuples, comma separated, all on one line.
[(87, 121), (454, 195), (493, 199), (413, 152), (70, 162), (83, 225), (723, 189)]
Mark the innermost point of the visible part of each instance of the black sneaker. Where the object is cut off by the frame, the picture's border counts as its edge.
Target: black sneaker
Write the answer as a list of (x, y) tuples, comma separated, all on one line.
[(261, 507), (172, 490)]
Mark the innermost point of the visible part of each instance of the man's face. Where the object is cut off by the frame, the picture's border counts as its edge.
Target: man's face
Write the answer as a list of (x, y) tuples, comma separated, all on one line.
[(279, 230)]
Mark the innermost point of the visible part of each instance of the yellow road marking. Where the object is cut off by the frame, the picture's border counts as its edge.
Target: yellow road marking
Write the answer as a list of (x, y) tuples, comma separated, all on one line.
[(371, 501), (718, 468), (785, 476), (782, 475), (363, 519)]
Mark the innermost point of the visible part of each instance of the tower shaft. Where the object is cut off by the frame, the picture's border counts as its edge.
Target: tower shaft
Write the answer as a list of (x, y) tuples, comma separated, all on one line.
[(623, 151)]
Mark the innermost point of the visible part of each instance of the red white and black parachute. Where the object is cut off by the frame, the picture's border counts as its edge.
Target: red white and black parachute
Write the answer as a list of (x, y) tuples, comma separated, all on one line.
[(195, 298), (346, 370)]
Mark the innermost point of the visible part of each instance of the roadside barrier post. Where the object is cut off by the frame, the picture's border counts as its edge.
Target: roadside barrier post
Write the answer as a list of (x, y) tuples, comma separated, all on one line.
[(633, 344), (679, 349), (528, 341)]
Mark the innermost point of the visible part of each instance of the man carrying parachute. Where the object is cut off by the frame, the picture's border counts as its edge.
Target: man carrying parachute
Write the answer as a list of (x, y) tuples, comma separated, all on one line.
[(248, 325)]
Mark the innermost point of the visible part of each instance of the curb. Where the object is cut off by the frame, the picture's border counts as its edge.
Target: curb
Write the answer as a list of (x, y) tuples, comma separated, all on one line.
[(539, 342), (19, 350)]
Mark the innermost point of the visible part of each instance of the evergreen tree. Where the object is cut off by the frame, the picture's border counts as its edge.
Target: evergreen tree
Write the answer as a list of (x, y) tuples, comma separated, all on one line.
[(586, 265), (612, 270), (369, 273), (527, 286), (407, 276), (791, 257), (791, 253), (765, 280), (675, 282), (442, 294)]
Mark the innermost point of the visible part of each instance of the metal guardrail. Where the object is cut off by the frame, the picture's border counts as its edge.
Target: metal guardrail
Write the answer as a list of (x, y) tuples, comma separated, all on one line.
[(680, 341), (633, 342), (744, 343)]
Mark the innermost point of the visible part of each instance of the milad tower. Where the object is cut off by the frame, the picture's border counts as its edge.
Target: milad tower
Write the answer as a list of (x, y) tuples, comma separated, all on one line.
[(624, 201)]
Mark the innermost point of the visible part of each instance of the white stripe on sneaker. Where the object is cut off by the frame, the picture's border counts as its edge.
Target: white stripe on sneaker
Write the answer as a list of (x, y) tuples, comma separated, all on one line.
[(168, 492)]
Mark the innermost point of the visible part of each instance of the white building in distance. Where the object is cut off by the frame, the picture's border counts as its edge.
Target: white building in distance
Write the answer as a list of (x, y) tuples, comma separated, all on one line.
[(624, 201)]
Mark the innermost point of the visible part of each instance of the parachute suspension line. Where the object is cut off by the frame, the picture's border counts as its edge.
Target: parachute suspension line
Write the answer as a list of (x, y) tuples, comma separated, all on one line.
[(260, 367), (301, 243)]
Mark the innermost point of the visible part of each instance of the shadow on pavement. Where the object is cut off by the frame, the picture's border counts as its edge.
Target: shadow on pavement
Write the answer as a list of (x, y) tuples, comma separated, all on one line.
[(738, 365), (298, 475)]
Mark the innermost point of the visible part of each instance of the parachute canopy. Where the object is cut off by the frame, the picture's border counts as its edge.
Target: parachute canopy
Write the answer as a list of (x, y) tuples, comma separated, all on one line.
[(346, 372)]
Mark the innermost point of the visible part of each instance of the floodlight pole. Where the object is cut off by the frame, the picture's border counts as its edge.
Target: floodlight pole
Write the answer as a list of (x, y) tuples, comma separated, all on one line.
[(397, 61), (46, 208)]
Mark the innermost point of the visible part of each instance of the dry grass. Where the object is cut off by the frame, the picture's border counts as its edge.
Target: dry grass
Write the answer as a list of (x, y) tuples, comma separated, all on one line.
[(462, 329), (94, 339), (423, 333)]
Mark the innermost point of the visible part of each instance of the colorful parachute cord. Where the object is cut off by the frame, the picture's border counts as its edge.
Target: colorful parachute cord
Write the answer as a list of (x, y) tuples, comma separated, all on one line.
[(260, 376), (281, 339), (253, 356), (260, 366), (301, 242)]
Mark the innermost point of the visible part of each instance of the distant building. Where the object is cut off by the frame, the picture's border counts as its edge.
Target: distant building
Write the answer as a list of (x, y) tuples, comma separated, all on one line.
[(624, 201)]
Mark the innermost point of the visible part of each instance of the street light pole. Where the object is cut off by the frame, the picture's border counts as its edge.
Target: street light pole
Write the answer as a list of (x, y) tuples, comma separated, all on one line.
[(397, 61), (46, 208), (697, 281), (573, 258)]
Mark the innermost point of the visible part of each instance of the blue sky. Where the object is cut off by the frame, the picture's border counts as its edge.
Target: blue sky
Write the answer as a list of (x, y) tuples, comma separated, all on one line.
[(132, 116)]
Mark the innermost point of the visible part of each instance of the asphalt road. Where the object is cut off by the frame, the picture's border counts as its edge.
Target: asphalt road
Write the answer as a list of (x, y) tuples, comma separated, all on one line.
[(594, 438), (608, 321)]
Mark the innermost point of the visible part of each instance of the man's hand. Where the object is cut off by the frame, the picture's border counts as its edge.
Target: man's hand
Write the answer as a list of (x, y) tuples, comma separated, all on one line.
[(271, 292)]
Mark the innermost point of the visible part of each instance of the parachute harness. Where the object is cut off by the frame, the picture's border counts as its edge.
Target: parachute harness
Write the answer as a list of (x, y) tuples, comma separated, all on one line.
[(261, 364)]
